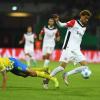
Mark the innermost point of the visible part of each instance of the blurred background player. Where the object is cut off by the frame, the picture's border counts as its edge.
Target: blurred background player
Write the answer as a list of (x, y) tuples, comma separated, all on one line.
[(29, 38), (71, 47), (18, 68), (50, 35)]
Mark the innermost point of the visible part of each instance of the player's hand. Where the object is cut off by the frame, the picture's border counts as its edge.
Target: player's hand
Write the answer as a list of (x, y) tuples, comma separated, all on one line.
[(56, 17), (20, 42)]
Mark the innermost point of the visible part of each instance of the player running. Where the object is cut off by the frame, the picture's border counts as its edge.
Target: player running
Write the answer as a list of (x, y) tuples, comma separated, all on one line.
[(29, 38), (50, 35), (18, 68), (71, 47)]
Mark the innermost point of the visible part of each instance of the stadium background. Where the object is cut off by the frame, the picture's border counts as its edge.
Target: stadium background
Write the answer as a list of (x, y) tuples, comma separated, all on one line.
[(13, 28)]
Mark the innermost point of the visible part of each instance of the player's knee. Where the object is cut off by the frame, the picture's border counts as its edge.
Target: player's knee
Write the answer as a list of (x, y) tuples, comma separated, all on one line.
[(63, 64), (32, 73), (84, 63)]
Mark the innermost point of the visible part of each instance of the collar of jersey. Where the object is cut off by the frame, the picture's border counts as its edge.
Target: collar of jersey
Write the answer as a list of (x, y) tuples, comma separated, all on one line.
[(50, 28), (29, 33), (79, 22)]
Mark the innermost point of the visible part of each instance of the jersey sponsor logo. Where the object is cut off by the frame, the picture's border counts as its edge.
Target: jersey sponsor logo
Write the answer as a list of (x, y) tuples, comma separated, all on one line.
[(50, 28), (79, 34), (31, 42)]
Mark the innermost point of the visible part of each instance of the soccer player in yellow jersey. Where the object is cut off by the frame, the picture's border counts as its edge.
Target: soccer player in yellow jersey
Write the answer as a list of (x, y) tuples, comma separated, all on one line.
[(18, 68)]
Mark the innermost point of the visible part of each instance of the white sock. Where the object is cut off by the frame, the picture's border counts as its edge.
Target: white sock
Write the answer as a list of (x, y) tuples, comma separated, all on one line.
[(46, 63), (76, 70), (28, 60), (56, 70)]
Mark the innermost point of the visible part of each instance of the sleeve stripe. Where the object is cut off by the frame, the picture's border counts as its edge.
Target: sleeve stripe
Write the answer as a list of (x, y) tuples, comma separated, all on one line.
[(70, 23)]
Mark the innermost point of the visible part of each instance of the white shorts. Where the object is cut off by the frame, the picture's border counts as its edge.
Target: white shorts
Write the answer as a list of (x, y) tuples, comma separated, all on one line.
[(29, 51), (47, 50), (72, 56)]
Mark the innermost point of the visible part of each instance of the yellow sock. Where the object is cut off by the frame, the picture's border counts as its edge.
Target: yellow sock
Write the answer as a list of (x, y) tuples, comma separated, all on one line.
[(39, 69), (44, 75)]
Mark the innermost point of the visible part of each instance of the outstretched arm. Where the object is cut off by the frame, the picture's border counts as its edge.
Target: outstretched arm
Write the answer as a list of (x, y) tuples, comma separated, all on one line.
[(41, 33), (4, 74), (60, 24), (67, 24), (22, 40), (56, 18), (57, 36)]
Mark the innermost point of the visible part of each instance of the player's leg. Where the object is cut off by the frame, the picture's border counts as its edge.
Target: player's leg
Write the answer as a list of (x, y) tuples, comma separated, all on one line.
[(32, 56), (75, 71), (43, 75), (21, 69), (28, 59), (53, 73), (79, 58), (34, 62), (58, 69), (64, 59), (46, 60), (38, 68), (27, 55), (46, 56)]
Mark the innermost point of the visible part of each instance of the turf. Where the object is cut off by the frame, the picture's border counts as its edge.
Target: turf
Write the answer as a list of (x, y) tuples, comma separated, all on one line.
[(19, 88)]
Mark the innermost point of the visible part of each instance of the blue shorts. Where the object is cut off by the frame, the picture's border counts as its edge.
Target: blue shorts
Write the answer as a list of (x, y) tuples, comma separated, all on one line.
[(19, 68), (18, 64)]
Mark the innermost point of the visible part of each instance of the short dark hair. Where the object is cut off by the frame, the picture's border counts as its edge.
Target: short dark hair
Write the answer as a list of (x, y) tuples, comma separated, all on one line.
[(85, 12), (51, 18)]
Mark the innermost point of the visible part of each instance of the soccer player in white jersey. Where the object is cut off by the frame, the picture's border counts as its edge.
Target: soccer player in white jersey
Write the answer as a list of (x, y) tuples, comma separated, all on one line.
[(29, 38), (50, 35), (71, 47)]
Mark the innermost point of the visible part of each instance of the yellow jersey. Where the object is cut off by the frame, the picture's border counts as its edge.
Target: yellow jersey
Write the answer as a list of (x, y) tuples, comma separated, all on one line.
[(5, 64)]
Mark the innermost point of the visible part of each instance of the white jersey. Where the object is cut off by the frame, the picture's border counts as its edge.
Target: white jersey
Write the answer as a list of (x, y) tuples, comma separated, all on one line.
[(29, 43), (29, 40), (49, 36), (74, 34), (71, 47)]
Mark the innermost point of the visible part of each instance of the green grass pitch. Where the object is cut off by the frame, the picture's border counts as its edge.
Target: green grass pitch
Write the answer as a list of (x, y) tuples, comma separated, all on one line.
[(19, 88)]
